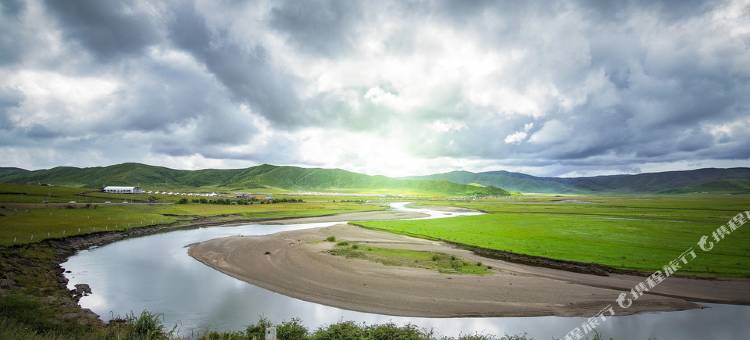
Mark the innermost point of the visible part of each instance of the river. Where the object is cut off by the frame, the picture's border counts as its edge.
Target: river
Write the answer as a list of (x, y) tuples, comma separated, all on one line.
[(155, 273)]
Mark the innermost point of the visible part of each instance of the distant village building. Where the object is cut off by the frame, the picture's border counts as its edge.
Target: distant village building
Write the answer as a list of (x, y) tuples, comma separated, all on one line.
[(123, 190)]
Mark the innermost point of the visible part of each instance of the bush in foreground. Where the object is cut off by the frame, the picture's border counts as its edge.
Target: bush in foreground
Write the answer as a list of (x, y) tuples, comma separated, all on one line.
[(148, 326)]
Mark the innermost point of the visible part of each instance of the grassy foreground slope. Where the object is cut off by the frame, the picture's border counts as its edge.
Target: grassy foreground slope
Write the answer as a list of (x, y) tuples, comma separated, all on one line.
[(622, 232), (258, 177)]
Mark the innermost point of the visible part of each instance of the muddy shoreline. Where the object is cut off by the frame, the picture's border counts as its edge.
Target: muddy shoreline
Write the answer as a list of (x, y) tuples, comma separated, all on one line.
[(17, 264), (40, 262), (43, 259)]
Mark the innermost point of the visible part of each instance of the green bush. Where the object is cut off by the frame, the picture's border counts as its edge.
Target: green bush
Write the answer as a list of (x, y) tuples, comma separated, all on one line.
[(291, 330), (258, 330), (340, 331), (331, 238), (392, 331)]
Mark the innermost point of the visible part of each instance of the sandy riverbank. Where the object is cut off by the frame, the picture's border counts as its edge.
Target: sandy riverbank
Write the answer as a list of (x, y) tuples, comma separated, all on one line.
[(297, 265)]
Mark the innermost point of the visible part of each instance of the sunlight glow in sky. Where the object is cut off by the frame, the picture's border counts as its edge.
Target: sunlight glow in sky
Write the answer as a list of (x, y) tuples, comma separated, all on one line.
[(382, 87)]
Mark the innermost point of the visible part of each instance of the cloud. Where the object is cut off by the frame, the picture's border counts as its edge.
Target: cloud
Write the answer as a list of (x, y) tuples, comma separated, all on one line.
[(11, 41), (575, 87), (10, 99), (107, 29), (519, 136), (324, 27), (245, 69)]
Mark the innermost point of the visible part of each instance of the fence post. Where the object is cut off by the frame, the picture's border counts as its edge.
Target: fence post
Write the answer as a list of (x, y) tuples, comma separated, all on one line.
[(271, 333)]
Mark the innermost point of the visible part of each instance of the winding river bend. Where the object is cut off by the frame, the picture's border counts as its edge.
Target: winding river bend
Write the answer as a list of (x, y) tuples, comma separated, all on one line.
[(155, 273)]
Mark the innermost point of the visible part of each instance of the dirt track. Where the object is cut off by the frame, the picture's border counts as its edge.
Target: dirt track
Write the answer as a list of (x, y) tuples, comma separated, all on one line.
[(298, 266)]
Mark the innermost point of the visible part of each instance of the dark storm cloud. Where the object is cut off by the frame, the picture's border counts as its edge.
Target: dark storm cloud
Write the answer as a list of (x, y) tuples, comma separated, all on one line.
[(11, 7), (672, 10), (324, 27), (245, 70), (107, 29), (11, 39), (661, 95)]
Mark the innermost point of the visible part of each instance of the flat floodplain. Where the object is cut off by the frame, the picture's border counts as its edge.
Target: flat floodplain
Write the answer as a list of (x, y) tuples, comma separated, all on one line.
[(627, 232), (30, 221)]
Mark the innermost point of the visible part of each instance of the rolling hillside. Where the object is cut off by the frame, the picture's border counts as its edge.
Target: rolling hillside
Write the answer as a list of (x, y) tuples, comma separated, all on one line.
[(733, 180), (512, 181), (262, 176)]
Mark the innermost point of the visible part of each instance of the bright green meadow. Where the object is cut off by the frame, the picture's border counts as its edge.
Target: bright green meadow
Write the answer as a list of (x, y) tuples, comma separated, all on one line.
[(634, 233)]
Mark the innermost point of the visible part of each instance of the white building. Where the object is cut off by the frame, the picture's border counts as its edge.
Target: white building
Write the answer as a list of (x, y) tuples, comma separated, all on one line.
[(123, 190)]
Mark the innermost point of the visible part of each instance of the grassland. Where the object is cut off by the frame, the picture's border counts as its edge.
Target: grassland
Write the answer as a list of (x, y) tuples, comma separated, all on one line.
[(440, 262), (633, 233), (30, 221)]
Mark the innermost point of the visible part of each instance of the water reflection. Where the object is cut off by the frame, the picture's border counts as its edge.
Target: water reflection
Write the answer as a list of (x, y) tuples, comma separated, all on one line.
[(155, 273)]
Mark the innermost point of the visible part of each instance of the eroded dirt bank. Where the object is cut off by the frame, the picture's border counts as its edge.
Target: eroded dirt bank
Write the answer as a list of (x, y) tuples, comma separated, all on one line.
[(296, 264)]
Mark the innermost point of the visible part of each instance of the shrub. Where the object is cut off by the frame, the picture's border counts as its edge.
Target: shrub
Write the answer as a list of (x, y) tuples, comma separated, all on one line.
[(331, 238), (340, 331), (391, 331), (182, 201), (258, 330), (342, 244), (354, 246), (291, 330)]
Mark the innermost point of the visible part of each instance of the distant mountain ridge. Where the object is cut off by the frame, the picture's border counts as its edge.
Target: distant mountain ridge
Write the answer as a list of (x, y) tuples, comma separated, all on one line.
[(257, 177), (715, 180)]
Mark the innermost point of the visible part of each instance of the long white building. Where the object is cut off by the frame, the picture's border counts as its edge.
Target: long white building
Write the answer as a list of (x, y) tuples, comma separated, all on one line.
[(123, 190)]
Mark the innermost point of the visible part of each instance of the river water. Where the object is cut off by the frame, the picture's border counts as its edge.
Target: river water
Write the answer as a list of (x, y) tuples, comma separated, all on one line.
[(155, 273)]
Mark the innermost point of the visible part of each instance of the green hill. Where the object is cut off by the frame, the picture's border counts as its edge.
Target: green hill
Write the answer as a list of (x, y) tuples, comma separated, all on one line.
[(712, 180), (512, 181), (262, 176)]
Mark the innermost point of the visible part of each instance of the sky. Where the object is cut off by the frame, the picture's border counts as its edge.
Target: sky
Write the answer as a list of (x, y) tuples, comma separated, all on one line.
[(566, 88)]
